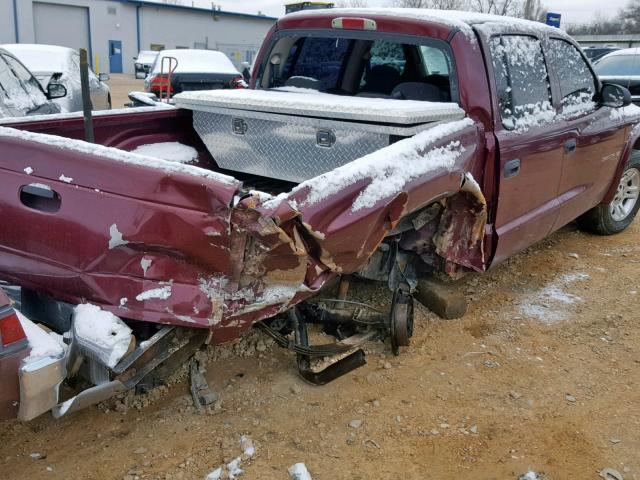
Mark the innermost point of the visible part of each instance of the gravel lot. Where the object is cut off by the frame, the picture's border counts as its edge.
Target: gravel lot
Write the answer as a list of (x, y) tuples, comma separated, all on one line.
[(120, 85), (541, 374)]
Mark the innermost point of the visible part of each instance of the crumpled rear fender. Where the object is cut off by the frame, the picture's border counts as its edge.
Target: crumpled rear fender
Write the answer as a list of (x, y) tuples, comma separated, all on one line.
[(345, 238)]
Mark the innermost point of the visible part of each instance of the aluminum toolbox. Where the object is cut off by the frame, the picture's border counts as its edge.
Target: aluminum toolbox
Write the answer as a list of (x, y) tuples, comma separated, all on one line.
[(295, 138)]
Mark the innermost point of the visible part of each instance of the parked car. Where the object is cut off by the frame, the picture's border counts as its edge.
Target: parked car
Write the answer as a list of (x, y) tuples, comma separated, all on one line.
[(31, 365), (20, 92), (596, 53), (393, 145), (143, 62), (61, 65), (192, 70), (622, 67)]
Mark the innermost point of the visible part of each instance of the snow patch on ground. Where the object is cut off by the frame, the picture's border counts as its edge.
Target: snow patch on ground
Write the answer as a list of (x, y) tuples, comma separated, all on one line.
[(389, 169), (298, 471), (552, 302), (161, 293), (101, 333), (42, 343), (232, 469), (169, 151)]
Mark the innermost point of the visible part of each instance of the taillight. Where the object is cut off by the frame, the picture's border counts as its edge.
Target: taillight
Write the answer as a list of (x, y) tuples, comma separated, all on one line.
[(10, 328), (238, 82), (352, 23), (160, 83)]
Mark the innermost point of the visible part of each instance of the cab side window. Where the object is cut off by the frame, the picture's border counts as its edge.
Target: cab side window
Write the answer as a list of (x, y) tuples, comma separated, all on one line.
[(577, 84), (522, 82)]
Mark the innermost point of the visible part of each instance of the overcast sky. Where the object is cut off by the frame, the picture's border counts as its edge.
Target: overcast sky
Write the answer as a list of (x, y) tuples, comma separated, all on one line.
[(573, 11)]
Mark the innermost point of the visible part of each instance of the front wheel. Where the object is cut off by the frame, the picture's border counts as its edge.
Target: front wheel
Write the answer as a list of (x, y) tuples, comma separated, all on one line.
[(614, 217)]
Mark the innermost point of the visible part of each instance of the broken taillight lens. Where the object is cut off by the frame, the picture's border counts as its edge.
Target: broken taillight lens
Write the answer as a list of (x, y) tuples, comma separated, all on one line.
[(10, 328)]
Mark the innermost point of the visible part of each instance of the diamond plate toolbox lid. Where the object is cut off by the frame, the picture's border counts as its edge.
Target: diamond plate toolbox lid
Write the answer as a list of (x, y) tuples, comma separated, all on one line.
[(270, 140)]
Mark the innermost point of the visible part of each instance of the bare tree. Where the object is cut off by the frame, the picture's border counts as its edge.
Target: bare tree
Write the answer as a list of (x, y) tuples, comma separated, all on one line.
[(412, 3), (496, 7), (352, 4), (437, 4), (533, 10)]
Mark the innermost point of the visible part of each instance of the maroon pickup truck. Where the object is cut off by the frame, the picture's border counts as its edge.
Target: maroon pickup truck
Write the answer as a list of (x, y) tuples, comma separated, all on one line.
[(389, 144)]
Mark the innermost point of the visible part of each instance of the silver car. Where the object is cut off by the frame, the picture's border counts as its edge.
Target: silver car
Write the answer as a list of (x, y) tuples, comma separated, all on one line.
[(61, 65), (20, 92)]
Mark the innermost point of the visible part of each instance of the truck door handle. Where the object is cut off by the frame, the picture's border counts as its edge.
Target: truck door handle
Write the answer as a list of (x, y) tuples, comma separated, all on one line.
[(512, 168), (570, 146), (40, 197)]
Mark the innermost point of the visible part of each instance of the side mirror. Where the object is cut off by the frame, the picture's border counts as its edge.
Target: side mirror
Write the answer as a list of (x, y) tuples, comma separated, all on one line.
[(56, 90), (104, 77), (614, 96)]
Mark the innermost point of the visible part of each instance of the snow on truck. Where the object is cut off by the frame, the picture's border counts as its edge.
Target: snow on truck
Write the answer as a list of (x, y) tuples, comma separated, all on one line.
[(393, 145)]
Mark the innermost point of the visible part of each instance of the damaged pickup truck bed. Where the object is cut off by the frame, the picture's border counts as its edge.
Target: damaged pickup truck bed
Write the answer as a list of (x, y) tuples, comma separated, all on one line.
[(389, 144)]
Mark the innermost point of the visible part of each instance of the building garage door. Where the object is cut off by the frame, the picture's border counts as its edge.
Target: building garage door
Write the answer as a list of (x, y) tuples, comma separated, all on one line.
[(64, 25)]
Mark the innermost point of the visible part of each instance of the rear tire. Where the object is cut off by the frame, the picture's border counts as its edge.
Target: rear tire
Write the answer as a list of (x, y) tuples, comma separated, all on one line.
[(616, 216)]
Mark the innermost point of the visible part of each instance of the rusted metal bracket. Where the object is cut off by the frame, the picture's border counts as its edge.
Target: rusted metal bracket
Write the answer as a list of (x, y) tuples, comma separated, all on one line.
[(330, 373)]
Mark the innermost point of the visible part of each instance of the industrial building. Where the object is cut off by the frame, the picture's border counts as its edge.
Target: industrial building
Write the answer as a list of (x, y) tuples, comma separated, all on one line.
[(113, 31)]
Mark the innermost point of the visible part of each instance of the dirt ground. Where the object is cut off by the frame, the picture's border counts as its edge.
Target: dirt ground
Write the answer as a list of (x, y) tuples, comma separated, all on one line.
[(120, 84), (542, 374)]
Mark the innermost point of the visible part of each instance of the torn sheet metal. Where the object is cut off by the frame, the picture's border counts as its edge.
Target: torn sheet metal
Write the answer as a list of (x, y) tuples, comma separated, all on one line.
[(188, 250)]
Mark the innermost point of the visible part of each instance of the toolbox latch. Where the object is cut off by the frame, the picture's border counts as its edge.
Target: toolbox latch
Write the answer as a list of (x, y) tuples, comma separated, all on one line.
[(239, 126), (325, 138)]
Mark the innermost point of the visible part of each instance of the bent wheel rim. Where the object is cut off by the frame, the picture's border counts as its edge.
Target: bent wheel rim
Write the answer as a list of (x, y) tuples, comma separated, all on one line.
[(626, 196)]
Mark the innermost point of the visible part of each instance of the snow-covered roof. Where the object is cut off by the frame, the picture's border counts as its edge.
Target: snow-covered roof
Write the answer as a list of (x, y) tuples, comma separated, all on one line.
[(624, 51), (313, 103), (147, 56), (197, 61), (464, 21), (42, 58)]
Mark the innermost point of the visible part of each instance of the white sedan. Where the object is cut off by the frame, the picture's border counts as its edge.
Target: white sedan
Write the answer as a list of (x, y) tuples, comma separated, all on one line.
[(52, 64)]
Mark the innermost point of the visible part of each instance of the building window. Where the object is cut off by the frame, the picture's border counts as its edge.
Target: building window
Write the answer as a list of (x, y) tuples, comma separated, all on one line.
[(111, 10), (156, 47)]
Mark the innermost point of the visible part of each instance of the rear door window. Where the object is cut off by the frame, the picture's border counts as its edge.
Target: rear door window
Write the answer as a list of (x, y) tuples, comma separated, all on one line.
[(577, 84), (522, 81)]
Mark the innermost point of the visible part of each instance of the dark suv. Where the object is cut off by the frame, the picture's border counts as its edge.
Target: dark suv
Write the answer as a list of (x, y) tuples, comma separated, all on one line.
[(21, 93)]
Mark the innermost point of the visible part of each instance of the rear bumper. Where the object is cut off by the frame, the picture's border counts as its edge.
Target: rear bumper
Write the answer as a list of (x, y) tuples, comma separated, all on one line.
[(39, 386)]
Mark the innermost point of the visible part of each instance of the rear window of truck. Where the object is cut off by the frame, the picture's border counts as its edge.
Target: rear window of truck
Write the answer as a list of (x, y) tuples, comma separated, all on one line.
[(374, 65)]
